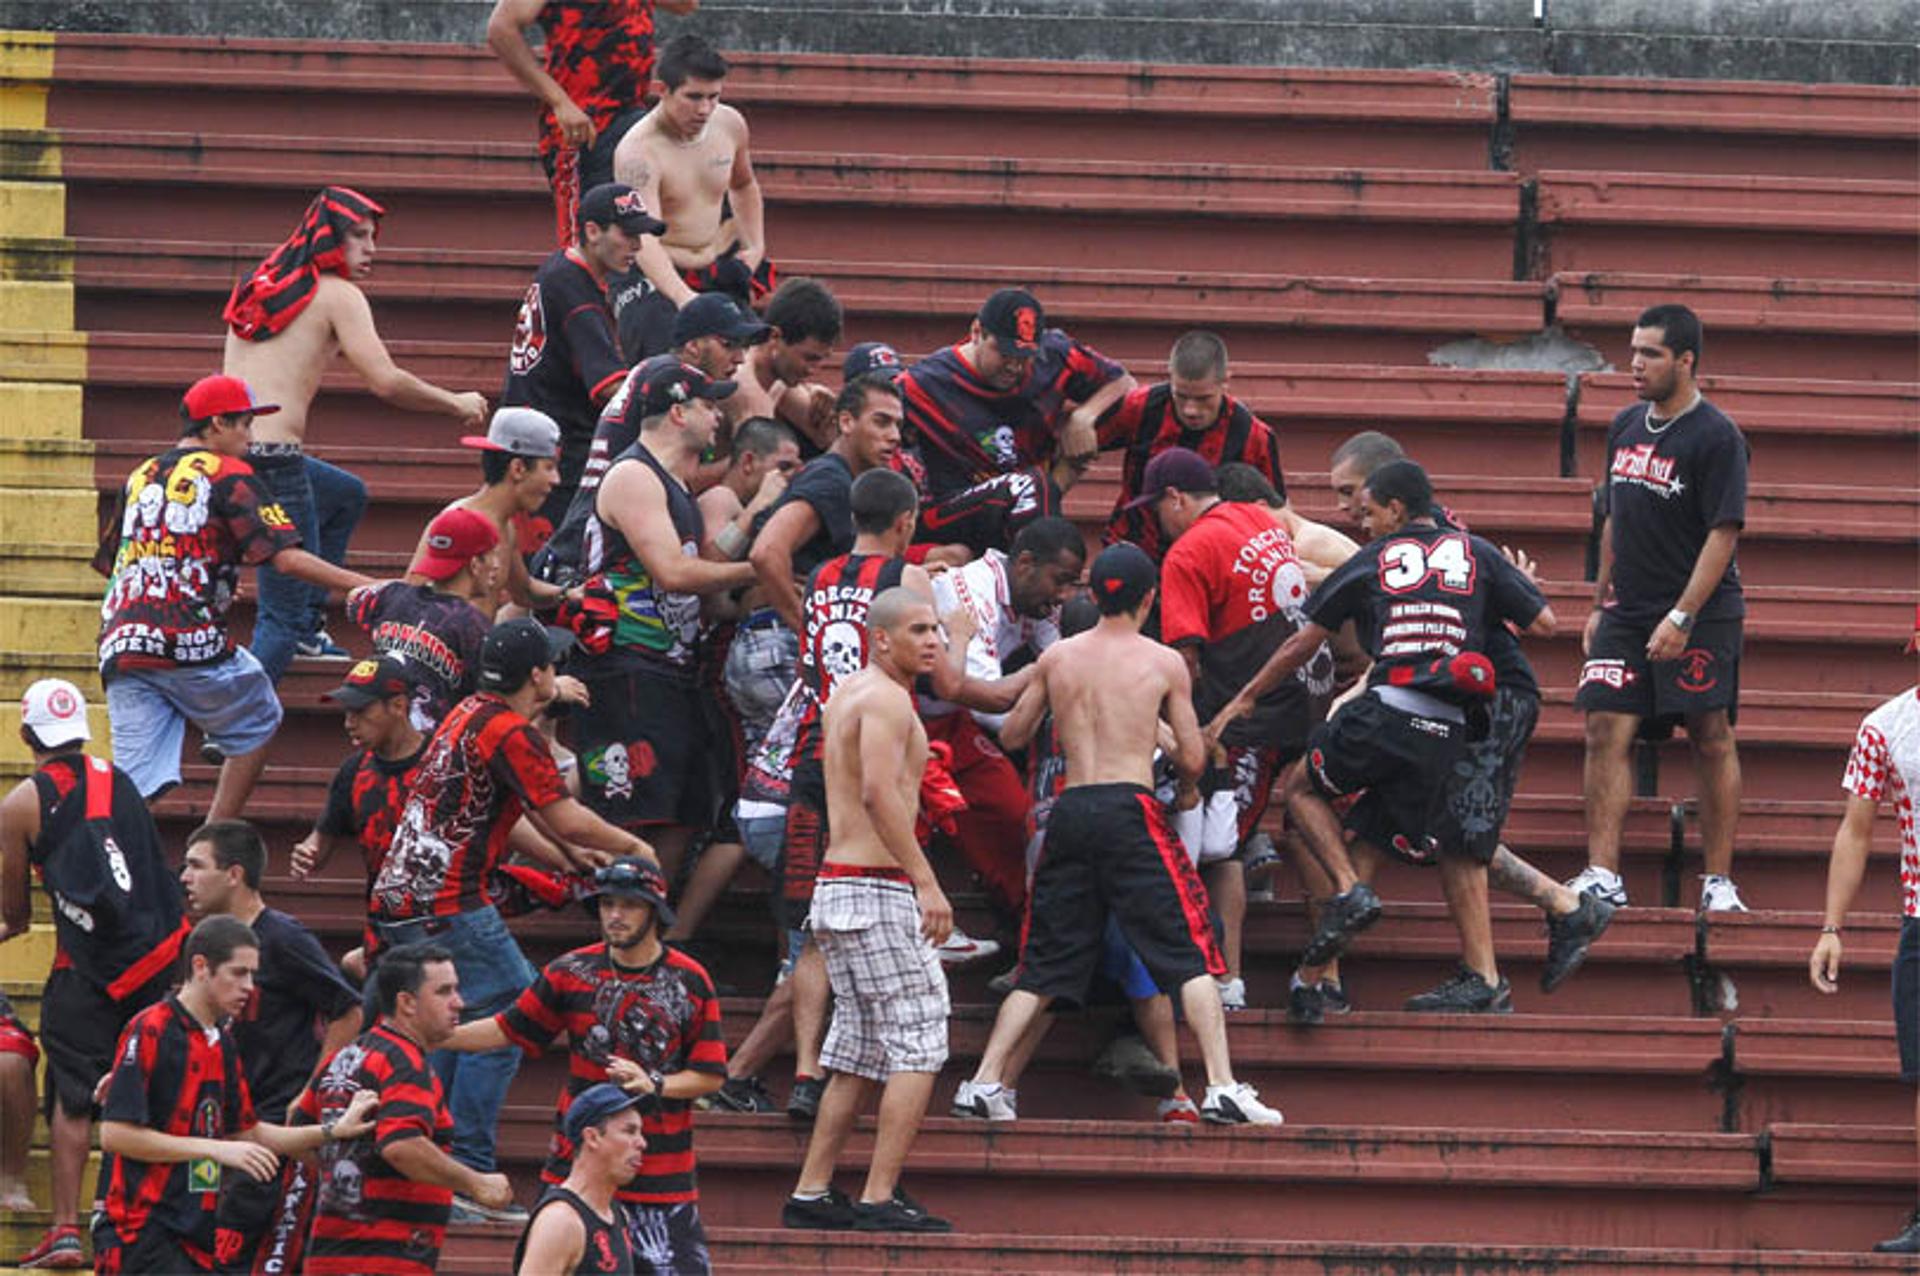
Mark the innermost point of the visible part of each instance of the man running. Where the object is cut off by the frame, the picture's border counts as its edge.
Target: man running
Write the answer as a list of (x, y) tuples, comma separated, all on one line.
[(579, 1224), (519, 468), (286, 321), (1109, 846), (433, 618)]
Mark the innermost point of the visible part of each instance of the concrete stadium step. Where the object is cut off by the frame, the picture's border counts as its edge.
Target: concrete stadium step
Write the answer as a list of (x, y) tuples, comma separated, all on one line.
[(1763, 955), (1818, 1071), (1804, 228), (1137, 113), (1655, 126), (1072, 213), (1756, 326)]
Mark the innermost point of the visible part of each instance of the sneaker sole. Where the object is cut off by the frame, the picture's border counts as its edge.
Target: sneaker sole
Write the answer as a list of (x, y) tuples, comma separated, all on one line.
[(1326, 946), (1580, 958)]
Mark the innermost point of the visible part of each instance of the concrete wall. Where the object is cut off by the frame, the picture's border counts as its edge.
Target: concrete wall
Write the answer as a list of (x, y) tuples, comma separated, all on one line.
[(1860, 41)]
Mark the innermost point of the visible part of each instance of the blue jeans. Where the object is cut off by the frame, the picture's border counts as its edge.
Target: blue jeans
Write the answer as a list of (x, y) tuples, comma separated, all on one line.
[(492, 972), (325, 503)]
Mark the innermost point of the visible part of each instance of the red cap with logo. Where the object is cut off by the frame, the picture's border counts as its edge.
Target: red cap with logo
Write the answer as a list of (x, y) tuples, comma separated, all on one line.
[(56, 711), (454, 539), (223, 396)]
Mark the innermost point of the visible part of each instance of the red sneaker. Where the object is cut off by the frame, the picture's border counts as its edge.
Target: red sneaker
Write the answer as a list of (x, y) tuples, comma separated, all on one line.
[(59, 1250)]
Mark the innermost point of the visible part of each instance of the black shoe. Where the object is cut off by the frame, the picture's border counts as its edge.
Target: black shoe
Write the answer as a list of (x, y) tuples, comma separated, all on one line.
[(803, 1103), (211, 754), (1341, 918), (901, 1214), (1569, 937), (1334, 997), (744, 1094), (833, 1212), (1907, 1242), (1465, 994), (1306, 1004), (1128, 1062)]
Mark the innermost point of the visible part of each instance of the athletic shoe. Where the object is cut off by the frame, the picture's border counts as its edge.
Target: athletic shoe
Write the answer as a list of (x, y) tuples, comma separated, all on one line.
[(1719, 895), (321, 646), (1602, 883), (1002, 984), (1569, 937), (1260, 858), (900, 1214), (1179, 1110), (212, 754), (990, 1102), (59, 1250), (1233, 993), (1333, 997), (468, 1210), (1305, 1004), (1127, 1061), (1341, 918), (1465, 994), (1907, 1242), (831, 1213), (1237, 1104), (803, 1101), (962, 949), (743, 1094)]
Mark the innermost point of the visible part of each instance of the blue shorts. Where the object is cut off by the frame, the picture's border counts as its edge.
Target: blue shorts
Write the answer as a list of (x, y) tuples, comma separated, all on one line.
[(1123, 966), (231, 702)]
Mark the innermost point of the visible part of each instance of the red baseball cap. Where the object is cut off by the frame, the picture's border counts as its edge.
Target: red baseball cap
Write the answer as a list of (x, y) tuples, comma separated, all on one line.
[(454, 539), (222, 396)]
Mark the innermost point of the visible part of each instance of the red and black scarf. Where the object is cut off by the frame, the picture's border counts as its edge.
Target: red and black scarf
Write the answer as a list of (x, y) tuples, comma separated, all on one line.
[(275, 292)]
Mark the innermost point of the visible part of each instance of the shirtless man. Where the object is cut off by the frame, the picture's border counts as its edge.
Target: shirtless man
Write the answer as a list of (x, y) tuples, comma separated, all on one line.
[(285, 323), (776, 377), (1110, 845), (689, 159), (878, 914), (519, 467)]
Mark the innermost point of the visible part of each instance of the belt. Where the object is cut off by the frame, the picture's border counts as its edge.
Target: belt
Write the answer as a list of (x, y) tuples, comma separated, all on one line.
[(828, 871), (762, 618), (276, 449), (1419, 704)]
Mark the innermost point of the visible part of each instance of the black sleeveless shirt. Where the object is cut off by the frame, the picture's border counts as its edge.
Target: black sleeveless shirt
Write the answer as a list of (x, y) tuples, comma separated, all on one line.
[(657, 627), (607, 1248)]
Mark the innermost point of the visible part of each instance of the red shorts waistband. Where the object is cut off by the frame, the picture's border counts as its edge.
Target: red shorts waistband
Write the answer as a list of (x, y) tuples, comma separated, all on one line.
[(860, 870)]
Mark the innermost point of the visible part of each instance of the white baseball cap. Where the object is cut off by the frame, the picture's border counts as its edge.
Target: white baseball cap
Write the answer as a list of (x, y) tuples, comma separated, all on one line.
[(56, 711)]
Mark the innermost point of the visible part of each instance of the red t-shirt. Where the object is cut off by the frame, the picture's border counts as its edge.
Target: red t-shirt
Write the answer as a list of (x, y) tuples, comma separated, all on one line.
[(1145, 424), (482, 769)]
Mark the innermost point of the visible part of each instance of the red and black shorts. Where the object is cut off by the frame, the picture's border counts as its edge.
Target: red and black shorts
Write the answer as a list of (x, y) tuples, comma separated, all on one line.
[(80, 1025), (646, 750), (152, 1249), (1110, 849), (1618, 678), (1402, 764), (15, 1037), (806, 843)]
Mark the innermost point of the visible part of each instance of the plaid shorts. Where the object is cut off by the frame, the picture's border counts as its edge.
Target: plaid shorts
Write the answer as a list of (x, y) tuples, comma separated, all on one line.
[(890, 996)]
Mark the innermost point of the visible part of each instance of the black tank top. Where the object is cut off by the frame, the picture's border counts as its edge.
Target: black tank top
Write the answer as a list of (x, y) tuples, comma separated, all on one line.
[(650, 622), (607, 1248)]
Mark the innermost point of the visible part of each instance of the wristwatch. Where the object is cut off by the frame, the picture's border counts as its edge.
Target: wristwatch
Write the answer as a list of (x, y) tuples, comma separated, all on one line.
[(1681, 620)]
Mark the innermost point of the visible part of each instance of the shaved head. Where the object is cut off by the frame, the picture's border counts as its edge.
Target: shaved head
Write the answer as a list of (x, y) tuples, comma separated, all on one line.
[(893, 607)]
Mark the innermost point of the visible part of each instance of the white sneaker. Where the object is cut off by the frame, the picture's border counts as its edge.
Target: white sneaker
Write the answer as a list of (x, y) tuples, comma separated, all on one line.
[(1233, 993), (992, 1102), (1719, 895), (1237, 1104), (962, 949), (1601, 883)]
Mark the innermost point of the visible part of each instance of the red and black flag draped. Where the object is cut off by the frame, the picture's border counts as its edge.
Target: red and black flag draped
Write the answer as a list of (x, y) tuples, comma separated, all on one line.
[(275, 292)]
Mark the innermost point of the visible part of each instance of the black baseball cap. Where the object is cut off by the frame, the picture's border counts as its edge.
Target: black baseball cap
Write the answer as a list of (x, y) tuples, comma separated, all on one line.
[(373, 680), (612, 202), (513, 649), (631, 877), (713, 314), (1014, 319), (872, 356), (1177, 469), (1120, 577), (595, 1104), (675, 382)]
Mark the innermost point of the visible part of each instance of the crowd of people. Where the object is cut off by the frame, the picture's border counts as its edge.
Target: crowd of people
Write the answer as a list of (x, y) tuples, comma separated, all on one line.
[(706, 615)]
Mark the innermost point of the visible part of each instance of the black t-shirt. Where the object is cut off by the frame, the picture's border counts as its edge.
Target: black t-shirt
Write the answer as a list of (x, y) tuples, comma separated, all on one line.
[(298, 988), (564, 350), (437, 634), (1665, 491), (365, 800), (826, 483), (1421, 593), (989, 515), (1511, 668)]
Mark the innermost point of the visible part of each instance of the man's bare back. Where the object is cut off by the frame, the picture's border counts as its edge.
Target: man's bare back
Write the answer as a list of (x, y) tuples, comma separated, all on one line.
[(1108, 689), (685, 183), (874, 710), (287, 369)]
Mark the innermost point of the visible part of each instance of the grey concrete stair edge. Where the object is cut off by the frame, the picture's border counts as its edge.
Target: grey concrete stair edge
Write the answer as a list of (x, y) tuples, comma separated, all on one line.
[(1862, 41)]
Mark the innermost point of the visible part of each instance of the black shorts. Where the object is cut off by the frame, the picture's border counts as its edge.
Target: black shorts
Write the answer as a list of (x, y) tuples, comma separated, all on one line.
[(1404, 762), (1481, 791), (1618, 677), (79, 1028), (1110, 848), (1906, 999), (153, 1249), (806, 841), (645, 749)]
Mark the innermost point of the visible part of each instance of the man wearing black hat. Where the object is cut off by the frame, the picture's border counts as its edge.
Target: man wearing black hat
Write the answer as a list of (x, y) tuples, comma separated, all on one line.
[(566, 359), (646, 1015), (643, 741), (588, 1234), (1013, 393), (484, 767)]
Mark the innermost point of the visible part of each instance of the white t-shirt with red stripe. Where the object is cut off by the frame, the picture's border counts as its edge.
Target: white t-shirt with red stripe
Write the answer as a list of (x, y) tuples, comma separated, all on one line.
[(1885, 765)]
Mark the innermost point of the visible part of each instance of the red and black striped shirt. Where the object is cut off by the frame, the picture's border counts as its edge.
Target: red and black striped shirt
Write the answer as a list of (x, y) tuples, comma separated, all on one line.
[(664, 1017), (175, 1075), (834, 647), (371, 1219), (365, 800), (1145, 424)]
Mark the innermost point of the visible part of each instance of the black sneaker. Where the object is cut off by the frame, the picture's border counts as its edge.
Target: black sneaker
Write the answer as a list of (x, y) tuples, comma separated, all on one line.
[(901, 1214), (1334, 997), (1907, 1242), (803, 1103), (1465, 994), (1128, 1062), (1306, 1003), (212, 754), (744, 1094), (1569, 937), (833, 1212), (1341, 918)]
